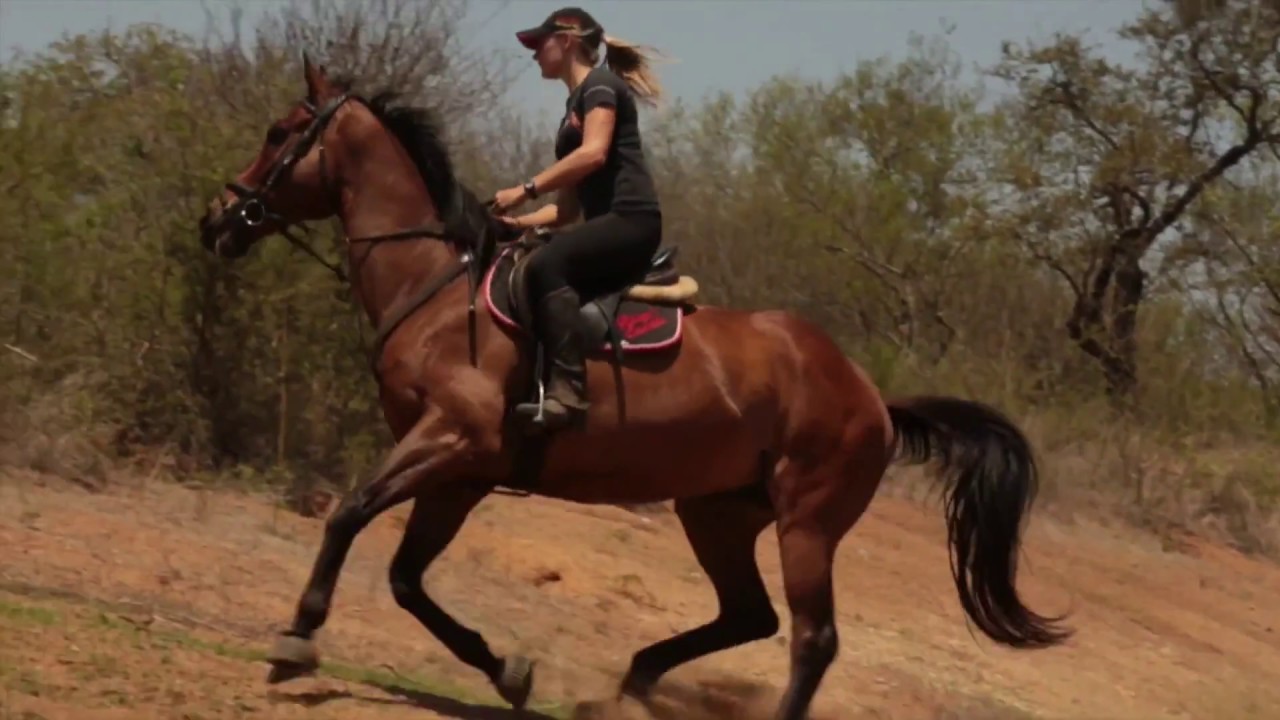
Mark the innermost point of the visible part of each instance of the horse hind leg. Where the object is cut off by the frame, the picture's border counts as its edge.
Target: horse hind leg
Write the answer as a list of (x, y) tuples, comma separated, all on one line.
[(822, 505), (722, 529), (807, 559)]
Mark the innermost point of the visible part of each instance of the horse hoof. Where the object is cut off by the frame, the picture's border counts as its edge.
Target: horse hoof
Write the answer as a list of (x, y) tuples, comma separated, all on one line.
[(636, 689), (284, 672), (292, 657), (516, 681)]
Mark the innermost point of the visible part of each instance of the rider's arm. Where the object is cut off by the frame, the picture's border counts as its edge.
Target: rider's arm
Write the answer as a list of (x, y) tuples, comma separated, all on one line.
[(600, 101), (561, 212)]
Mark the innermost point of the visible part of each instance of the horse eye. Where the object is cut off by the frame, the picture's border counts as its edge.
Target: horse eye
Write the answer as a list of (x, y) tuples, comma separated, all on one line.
[(276, 135)]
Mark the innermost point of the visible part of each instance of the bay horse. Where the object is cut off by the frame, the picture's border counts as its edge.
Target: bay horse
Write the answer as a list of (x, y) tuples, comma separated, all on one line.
[(750, 419)]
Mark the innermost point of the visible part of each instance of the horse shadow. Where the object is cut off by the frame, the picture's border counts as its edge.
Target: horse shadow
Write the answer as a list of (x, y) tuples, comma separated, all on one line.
[(701, 700), (441, 705)]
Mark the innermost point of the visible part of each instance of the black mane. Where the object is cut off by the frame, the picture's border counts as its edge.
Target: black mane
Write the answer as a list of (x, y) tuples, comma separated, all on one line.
[(466, 218)]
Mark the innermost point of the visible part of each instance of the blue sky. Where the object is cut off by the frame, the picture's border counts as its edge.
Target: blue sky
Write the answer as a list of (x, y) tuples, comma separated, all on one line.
[(720, 44)]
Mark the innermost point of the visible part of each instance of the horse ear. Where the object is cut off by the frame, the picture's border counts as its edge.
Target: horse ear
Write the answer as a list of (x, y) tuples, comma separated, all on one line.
[(317, 80)]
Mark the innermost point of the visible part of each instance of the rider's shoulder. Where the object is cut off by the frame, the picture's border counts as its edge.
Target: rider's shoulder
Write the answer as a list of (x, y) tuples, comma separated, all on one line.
[(604, 76)]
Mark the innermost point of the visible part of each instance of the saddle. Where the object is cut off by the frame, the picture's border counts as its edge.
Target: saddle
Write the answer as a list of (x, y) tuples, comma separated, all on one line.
[(643, 316)]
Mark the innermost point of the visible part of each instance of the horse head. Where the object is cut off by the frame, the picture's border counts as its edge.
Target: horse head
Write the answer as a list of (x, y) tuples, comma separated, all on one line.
[(287, 182)]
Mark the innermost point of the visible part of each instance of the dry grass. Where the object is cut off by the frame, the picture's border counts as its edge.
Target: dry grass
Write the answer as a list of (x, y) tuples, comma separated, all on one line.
[(56, 433), (193, 583)]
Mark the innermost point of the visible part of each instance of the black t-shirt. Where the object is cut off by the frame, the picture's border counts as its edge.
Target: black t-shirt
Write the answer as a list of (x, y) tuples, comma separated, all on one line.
[(623, 183)]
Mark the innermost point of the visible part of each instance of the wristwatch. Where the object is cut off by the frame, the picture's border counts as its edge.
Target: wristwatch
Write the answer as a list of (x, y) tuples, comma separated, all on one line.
[(530, 190)]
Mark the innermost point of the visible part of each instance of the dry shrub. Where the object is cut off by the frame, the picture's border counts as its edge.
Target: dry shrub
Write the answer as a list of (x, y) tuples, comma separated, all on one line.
[(55, 432)]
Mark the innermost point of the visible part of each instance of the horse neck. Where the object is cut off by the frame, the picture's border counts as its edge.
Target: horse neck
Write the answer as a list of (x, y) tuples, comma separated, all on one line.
[(382, 193)]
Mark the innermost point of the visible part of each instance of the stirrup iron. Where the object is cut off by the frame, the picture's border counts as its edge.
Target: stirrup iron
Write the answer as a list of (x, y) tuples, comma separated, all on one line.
[(538, 418)]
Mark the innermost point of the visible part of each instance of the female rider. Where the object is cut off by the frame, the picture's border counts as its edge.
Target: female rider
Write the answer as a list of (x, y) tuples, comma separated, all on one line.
[(600, 173)]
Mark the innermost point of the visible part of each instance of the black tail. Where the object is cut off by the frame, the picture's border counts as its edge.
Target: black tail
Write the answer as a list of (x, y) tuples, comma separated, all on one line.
[(990, 481)]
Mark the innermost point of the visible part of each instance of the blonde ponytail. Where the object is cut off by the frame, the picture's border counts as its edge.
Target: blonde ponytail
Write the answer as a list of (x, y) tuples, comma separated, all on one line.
[(634, 64)]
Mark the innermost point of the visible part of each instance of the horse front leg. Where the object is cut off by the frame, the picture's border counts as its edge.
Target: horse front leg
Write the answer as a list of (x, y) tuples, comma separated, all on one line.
[(424, 457), (437, 517)]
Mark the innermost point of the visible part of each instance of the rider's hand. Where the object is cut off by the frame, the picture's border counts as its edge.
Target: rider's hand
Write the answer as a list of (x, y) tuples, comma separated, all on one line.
[(514, 223), (504, 200)]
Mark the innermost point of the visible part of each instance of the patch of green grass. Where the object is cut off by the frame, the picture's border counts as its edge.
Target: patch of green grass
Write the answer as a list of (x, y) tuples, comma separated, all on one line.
[(26, 615), (177, 638), (372, 677), (386, 681), (106, 621)]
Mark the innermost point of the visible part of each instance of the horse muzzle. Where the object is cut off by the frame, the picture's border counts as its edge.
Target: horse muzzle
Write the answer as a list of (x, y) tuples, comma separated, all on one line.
[(226, 230), (222, 238)]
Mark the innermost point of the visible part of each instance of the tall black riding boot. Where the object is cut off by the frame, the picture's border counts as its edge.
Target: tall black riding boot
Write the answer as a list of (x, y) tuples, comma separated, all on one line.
[(559, 324)]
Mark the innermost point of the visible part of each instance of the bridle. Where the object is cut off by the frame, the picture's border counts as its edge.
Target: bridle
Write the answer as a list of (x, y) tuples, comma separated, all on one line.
[(250, 208)]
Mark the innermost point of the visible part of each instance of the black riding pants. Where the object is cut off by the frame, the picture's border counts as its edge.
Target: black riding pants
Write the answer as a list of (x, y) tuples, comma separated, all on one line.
[(598, 256)]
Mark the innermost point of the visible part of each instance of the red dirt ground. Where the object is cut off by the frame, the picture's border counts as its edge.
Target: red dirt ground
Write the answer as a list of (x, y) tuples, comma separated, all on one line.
[(153, 601)]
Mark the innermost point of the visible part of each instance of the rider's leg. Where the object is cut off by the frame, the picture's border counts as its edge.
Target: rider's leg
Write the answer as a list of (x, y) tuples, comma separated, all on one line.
[(598, 255), (610, 251)]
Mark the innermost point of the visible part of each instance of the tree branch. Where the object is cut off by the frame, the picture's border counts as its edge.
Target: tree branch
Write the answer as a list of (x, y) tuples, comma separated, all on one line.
[(1072, 102)]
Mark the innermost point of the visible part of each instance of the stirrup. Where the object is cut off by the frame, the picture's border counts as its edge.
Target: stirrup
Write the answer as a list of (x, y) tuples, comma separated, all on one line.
[(532, 412), (536, 418)]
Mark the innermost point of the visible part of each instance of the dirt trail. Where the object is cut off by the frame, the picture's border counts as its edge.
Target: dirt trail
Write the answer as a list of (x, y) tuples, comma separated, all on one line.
[(157, 602)]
